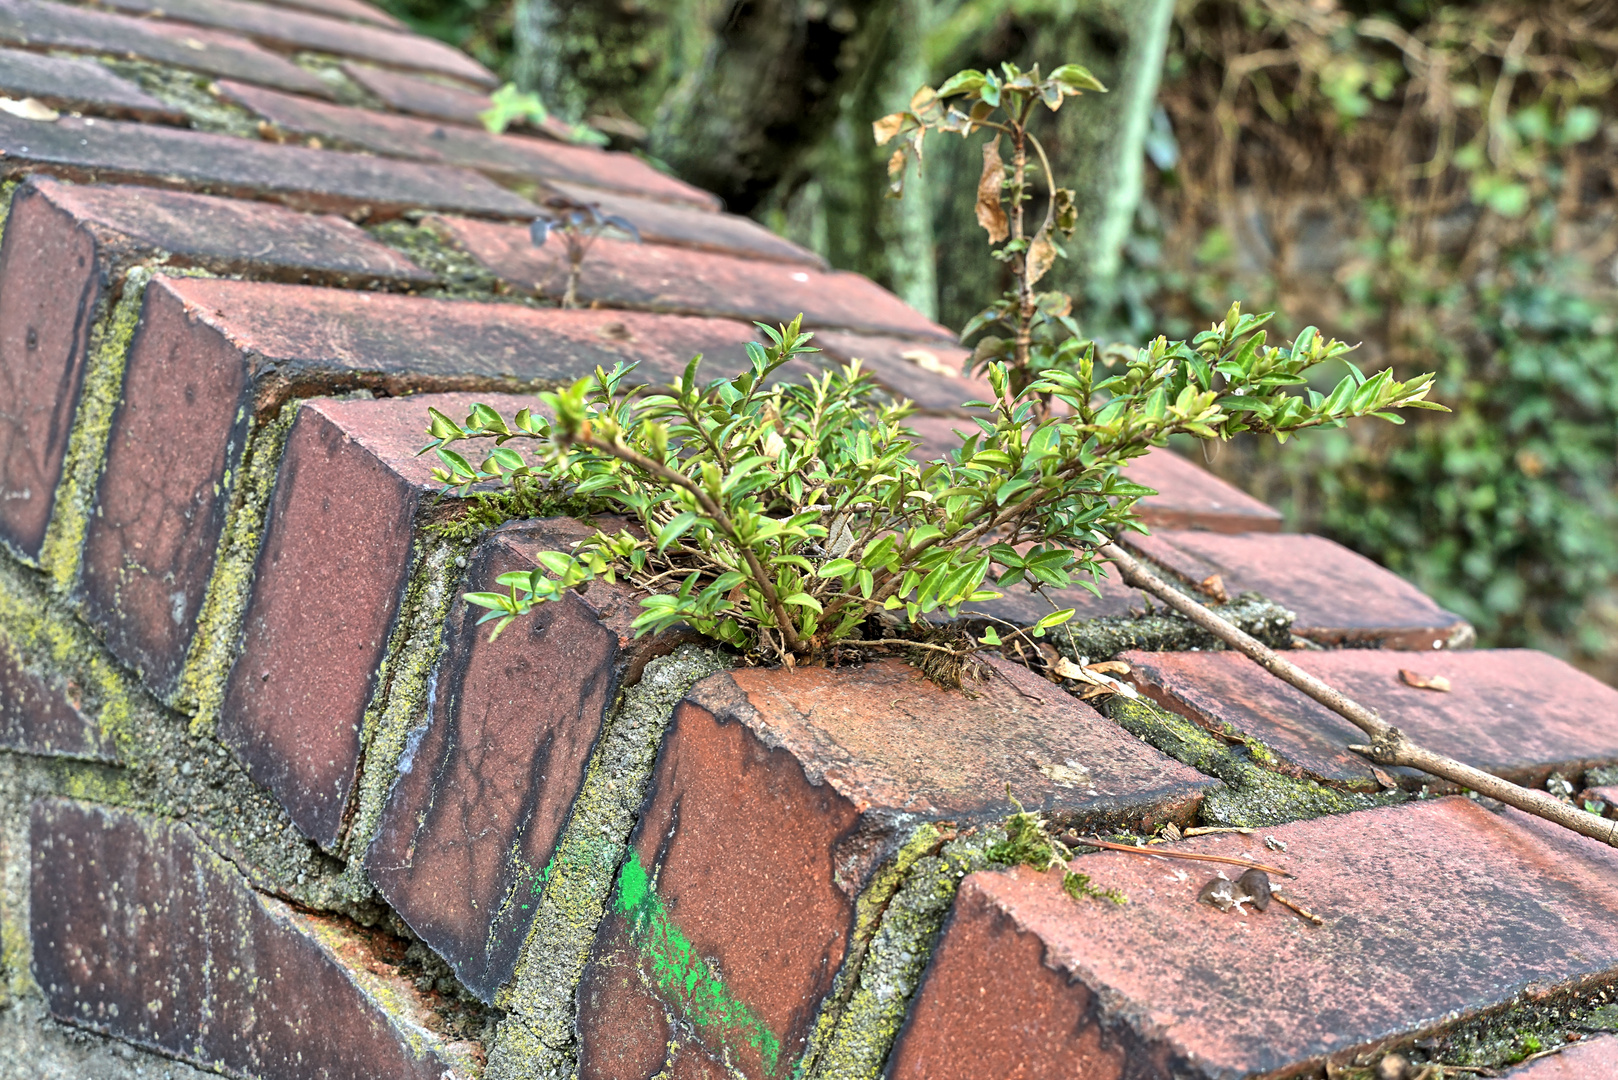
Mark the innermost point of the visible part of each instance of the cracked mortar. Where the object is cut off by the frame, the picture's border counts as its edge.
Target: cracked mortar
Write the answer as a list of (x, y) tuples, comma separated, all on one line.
[(538, 1038)]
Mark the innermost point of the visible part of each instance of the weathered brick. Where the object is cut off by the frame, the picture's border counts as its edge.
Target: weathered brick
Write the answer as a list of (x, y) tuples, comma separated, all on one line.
[(1434, 912), (438, 100), (776, 796), (1591, 1059), (357, 10), (517, 157), (652, 277), (64, 257), (140, 932), (41, 26), (1517, 713), (290, 29), (420, 97), (683, 225), (1189, 497), (323, 180), (38, 716), (211, 359), (1607, 794), (72, 84), (485, 789), (1339, 596)]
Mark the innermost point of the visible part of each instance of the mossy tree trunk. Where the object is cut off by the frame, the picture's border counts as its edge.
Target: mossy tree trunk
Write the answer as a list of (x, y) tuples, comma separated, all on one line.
[(769, 103)]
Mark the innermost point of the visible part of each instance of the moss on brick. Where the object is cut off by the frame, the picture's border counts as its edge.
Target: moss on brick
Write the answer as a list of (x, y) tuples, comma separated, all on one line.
[(461, 277), (403, 698), (537, 1037), (216, 642), (1253, 795), (1168, 631), (187, 93), (107, 356), (163, 769)]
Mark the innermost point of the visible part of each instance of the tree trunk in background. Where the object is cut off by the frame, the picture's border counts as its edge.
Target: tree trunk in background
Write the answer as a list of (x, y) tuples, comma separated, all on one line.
[(769, 103), (767, 92)]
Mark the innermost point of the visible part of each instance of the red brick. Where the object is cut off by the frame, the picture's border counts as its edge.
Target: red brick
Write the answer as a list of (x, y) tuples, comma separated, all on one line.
[(42, 26), (1592, 1059), (1607, 794), (486, 786), (38, 717), (1189, 497), (1434, 912), (70, 84), (778, 793), (1339, 597), (1514, 712), (209, 355), (437, 100), (419, 97), (357, 10), (651, 277), (358, 184), (142, 933), (288, 29), (682, 225), (517, 157), (66, 250)]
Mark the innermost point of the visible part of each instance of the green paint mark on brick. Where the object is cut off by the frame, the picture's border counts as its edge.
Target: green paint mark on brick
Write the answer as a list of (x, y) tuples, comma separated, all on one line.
[(685, 978)]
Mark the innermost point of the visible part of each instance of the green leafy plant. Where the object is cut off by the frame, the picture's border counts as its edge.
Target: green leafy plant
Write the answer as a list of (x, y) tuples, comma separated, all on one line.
[(509, 105), (781, 517), (1041, 331)]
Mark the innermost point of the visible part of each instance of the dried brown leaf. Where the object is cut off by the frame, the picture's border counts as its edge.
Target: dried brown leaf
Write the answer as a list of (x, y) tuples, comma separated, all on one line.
[(1041, 257), (886, 128), (28, 109), (1424, 682), (991, 210), (1214, 586)]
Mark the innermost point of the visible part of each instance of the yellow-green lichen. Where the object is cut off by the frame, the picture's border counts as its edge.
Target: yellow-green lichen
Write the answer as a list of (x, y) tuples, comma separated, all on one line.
[(106, 359), (215, 644)]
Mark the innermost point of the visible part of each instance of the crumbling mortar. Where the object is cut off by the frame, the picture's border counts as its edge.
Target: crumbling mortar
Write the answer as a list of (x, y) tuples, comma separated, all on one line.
[(217, 639), (538, 1038), (400, 702), (163, 769)]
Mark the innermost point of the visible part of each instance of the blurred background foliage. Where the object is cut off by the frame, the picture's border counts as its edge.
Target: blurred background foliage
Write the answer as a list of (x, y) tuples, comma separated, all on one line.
[(1438, 180)]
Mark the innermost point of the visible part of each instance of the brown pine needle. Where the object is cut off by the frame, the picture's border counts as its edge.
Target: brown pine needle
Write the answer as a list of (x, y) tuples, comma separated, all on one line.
[(1161, 853), (1301, 911)]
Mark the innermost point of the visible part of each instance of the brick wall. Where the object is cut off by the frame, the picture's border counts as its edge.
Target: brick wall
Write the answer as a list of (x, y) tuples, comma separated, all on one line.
[(272, 806)]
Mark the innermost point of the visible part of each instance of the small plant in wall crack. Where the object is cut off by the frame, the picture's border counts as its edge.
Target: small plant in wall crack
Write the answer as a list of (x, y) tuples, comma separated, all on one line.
[(784, 518)]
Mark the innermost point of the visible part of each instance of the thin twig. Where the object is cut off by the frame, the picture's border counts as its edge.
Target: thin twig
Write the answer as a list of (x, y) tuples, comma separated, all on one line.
[(1389, 745), (1192, 856)]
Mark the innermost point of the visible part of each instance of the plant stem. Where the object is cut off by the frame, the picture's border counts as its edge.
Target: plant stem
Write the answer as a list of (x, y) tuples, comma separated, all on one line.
[(1389, 745), (712, 508), (1189, 856)]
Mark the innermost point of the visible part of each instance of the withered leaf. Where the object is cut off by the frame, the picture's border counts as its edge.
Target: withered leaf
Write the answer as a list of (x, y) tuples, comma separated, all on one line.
[(1214, 587), (886, 128), (1424, 682), (896, 172), (28, 109), (991, 212), (1041, 256)]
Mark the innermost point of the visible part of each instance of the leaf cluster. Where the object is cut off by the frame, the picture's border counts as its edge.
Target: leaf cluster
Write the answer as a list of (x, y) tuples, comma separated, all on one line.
[(780, 517)]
